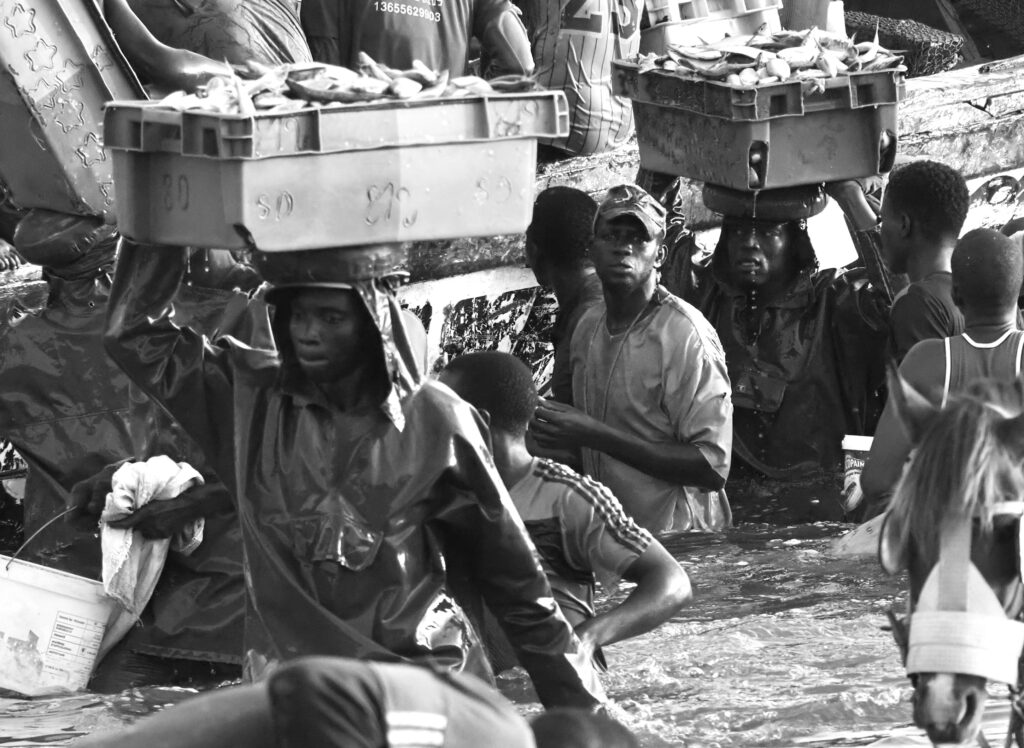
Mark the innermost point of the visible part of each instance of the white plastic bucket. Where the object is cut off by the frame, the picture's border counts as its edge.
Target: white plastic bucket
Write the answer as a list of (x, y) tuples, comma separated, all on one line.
[(51, 625)]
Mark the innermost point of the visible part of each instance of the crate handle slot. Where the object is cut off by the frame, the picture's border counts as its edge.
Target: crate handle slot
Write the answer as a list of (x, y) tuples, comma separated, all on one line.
[(757, 162), (886, 151)]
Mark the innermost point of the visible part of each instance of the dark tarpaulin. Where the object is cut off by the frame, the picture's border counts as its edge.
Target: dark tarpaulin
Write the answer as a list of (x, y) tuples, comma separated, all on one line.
[(69, 411), (357, 525)]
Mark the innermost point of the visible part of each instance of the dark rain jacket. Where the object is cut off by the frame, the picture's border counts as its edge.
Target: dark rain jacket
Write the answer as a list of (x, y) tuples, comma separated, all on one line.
[(806, 367), (358, 527), (69, 411)]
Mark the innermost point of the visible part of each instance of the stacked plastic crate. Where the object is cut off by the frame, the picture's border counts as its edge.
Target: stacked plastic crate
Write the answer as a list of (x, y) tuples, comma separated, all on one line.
[(330, 176), (765, 136), (690, 22)]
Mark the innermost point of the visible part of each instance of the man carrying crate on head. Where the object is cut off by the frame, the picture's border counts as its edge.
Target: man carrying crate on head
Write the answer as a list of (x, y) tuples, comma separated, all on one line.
[(805, 346), (369, 503)]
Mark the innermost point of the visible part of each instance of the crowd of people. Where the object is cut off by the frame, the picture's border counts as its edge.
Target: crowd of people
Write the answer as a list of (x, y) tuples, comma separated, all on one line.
[(380, 540)]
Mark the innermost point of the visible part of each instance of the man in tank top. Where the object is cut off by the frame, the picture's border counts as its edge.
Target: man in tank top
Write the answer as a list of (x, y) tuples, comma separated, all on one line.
[(987, 273)]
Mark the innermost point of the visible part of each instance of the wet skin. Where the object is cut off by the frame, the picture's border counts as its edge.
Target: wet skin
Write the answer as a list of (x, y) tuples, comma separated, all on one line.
[(892, 225), (330, 332), (759, 252), (623, 253)]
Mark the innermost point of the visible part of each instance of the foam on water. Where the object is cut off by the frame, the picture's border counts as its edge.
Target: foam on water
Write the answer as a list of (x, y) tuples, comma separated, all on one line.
[(783, 646)]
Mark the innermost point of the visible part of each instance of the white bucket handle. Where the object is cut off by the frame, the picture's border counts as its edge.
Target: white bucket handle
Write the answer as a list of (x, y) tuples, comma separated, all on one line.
[(33, 535)]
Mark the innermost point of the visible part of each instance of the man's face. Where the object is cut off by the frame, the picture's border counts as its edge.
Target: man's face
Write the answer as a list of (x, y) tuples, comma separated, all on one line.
[(536, 263), (758, 251), (893, 235), (331, 333), (623, 254)]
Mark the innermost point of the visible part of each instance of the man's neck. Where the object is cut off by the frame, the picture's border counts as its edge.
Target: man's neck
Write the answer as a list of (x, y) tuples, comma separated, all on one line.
[(356, 390), (568, 286), (987, 327), (626, 306), (924, 261), (510, 457)]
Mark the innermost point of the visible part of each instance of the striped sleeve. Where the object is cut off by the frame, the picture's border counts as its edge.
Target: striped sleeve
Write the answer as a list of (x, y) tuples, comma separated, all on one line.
[(599, 535)]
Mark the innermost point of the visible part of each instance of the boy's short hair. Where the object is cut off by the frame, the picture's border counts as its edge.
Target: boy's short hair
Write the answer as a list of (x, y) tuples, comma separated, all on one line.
[(934, 195), (498, 383), (562, 226), (988, 270)]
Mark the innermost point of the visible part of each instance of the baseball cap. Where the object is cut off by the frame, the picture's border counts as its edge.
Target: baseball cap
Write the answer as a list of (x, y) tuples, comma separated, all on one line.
[(630, 200)]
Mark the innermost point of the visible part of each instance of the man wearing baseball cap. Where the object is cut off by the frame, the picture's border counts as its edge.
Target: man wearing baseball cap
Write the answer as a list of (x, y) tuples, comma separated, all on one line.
[(653, 407)]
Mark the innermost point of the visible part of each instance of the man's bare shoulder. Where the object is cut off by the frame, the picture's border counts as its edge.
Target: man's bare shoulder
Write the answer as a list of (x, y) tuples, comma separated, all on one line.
[(924, 367)]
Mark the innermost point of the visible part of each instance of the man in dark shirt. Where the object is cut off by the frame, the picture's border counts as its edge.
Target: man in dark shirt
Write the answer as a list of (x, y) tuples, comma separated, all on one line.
[(923, 210), (556, 249), (435, 32)]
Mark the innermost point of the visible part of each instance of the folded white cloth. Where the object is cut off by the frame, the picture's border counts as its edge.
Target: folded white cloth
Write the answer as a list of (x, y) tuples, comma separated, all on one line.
[(132, 564)]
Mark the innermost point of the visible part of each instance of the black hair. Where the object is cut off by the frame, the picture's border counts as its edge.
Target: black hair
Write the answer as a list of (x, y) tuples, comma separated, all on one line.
[(562, 226), (578, 728), (988, 269), (498, 383), (934, 195)]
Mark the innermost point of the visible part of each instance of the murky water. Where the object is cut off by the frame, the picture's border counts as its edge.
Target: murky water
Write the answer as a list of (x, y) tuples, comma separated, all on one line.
[(783, 646)]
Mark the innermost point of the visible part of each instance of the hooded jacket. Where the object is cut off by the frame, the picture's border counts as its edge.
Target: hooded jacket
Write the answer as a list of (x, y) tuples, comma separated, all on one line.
[(806, 367), (359, 527)]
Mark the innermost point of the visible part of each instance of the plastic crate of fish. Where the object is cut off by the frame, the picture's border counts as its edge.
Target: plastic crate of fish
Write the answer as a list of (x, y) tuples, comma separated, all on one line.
[(61, 66), (330, 176), (705, 30), (760, 137)]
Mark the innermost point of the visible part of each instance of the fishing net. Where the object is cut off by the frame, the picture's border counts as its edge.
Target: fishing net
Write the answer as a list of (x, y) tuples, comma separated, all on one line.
[(926, 50)]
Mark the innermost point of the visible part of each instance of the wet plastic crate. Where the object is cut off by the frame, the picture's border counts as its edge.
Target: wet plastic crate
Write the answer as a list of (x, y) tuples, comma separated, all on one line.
[(331, 176), (779, 135), (60, 66), (706, 30)]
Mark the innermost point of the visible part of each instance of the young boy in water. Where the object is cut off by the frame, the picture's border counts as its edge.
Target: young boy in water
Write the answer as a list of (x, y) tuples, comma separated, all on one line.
[(987, 273), (577, 525)]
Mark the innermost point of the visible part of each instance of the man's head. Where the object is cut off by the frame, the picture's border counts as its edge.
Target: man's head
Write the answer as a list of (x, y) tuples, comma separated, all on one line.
[(577, 728), (764, 238), (559, 233), (988, 270), (924, 207), (329, 331), (497, 383), (628, 232)]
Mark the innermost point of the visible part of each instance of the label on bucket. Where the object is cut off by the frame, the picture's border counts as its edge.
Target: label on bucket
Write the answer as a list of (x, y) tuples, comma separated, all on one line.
[(74, 643)]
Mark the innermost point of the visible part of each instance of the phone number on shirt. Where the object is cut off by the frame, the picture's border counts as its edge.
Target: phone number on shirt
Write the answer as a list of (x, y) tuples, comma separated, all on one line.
[(407, 10)]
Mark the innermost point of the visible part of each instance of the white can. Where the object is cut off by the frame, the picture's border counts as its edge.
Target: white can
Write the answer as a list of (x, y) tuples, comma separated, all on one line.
[(855, 454)]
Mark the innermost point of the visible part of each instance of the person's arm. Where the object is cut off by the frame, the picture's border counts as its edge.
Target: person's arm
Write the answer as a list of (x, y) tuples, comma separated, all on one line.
[(505, 569), (662, 588), (155, 61), (924, 368), (558, 426), (503, 38), (695, 393), (862, 221), (175, 366)]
